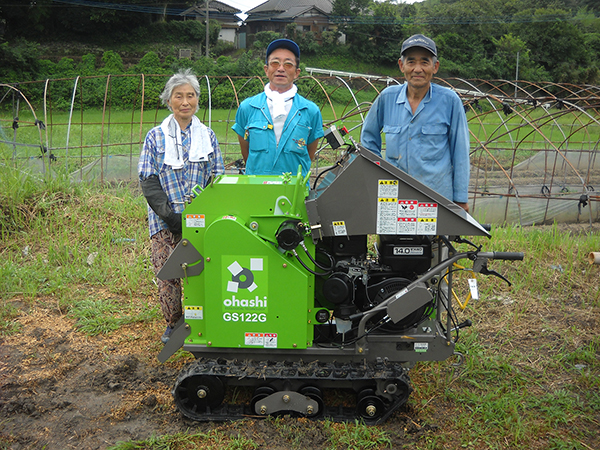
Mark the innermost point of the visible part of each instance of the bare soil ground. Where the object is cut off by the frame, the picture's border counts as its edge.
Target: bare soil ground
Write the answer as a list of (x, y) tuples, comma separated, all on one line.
[(61, 389)]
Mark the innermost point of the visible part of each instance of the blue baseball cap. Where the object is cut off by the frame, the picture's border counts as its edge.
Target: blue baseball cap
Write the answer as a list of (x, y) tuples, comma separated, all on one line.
[(418, 40), (283, 43)]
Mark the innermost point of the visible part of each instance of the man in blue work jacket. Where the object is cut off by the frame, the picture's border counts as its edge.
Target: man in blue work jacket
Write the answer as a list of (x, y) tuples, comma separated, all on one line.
[(425, 125), (278, 129)]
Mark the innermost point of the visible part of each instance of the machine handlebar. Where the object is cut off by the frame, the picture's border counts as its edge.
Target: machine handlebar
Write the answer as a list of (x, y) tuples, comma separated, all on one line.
[(508, 256)]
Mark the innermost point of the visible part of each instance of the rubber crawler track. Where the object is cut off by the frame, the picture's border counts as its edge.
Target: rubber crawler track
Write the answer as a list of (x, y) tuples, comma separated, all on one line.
[(367, 379)]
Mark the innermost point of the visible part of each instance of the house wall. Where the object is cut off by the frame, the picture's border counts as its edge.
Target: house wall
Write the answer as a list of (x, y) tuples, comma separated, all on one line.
[(311, 21), (316, 24), (255, 27), (227, 35)]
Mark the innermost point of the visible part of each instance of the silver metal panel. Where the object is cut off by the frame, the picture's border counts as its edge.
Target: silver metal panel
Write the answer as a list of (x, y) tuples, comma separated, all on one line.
[(397, 348), (180, 333), (286, 401), (185, 261), (348, 200), (407, 301)]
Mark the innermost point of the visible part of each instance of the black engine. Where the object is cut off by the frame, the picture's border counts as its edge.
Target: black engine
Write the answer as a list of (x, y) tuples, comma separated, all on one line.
[(363, 275)]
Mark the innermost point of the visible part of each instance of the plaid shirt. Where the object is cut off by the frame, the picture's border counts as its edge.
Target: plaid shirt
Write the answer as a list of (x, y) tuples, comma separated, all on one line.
[(177, 183)]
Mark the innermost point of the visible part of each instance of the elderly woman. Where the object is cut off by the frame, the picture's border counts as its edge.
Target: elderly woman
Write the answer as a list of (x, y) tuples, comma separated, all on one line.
[(177, 155)]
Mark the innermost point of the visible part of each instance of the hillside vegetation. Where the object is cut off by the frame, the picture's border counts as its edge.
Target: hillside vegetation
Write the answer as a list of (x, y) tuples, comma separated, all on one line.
[(542, 40)]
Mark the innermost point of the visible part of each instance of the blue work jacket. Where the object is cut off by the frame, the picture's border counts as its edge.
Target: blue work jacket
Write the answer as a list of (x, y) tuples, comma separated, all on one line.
[(303, 125), (431, 145)]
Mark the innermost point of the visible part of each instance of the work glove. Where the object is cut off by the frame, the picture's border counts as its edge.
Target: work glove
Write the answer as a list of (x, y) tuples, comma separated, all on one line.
[(159, 202)]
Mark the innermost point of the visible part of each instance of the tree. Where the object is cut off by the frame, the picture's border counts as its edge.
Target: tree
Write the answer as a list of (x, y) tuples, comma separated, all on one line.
[(557, 45), (462, 18), (112, 62), (27, 19), (262, 39), (19, 61), (373, 30), (513, 51), (350, 8)]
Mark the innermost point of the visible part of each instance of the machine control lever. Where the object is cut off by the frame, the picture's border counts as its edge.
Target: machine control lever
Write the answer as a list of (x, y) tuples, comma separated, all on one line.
[(465, 324), (460, 326), (485, 271)]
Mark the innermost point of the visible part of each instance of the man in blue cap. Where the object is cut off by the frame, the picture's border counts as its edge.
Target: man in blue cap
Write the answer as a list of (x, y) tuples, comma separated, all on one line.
[(278, 129), (425, 125)]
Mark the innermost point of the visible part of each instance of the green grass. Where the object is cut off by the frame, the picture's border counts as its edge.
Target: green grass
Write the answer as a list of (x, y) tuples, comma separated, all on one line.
[(531, 365), (357, 436), (8, 325), (103, 316), (556, 263), (341, 436), (508, 140), (531, 375), (213, 440), (61, 240), (120, 136)]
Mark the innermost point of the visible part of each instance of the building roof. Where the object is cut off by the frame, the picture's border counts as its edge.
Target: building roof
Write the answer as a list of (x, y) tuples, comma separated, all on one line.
[(216, 10), (276, 7), (287, 10)]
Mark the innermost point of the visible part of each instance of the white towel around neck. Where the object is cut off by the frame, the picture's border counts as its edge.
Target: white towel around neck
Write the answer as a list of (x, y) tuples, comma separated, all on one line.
[(200, 145), (279, 105)]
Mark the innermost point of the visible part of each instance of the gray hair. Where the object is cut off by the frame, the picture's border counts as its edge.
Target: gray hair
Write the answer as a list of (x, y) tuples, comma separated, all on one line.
[(179, 79)]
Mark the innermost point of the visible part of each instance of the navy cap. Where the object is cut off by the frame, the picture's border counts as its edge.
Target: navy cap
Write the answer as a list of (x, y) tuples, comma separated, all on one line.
[(418, 40), (283, 43)]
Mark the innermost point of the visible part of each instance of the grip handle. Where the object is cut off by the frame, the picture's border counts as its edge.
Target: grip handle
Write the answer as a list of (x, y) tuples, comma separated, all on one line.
[(509, 256)]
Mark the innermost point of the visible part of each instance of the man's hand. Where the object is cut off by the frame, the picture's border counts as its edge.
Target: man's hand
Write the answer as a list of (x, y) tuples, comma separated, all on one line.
[(312, 149), (244, 147), (464, 206)]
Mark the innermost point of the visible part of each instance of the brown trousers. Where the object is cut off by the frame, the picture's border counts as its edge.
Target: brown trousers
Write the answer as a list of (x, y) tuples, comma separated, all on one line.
[(169, 291)]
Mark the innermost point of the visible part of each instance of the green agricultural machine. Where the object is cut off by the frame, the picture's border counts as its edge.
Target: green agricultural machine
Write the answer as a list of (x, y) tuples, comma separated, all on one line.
[(291, 292)]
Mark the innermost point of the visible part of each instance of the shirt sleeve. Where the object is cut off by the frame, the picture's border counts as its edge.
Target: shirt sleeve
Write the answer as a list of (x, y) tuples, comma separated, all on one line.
[(460, 148), (241, 120), (370, 136), (147, 162), (217, 163), (317, 126)]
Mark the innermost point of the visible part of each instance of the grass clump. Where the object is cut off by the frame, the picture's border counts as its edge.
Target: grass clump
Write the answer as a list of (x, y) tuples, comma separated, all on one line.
[(356, 436), (8, 325), (103, 316), (213, 440), (62, 242)]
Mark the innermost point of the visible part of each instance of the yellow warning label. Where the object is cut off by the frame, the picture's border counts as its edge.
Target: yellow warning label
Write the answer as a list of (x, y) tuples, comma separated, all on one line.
[(388, 200), (388, 182), (339, 228), (194, 312)]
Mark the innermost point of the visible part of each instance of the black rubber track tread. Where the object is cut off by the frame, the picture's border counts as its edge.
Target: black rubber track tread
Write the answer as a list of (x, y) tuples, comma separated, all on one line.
[(313, 373)]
